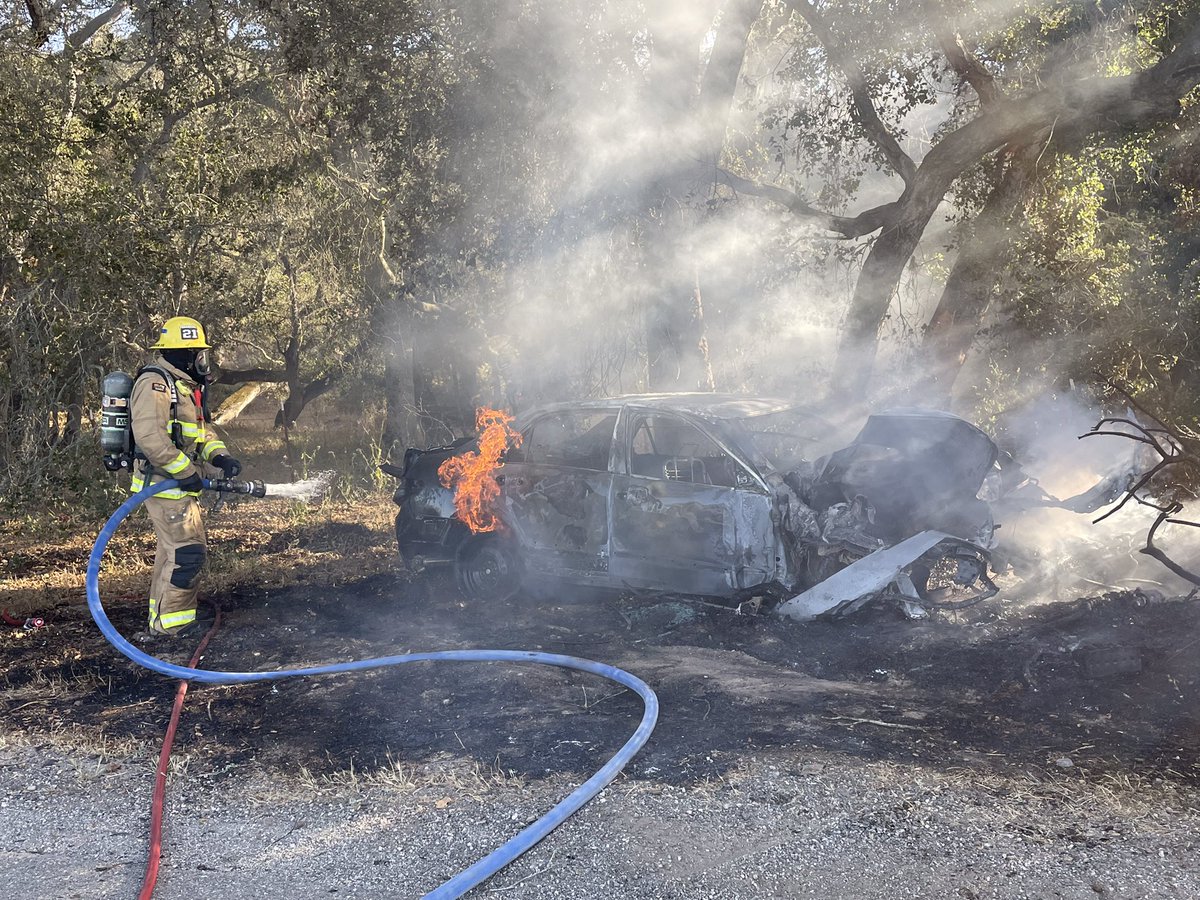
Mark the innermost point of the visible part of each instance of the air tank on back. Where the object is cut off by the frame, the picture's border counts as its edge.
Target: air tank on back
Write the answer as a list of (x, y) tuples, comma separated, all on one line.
[(116, 432)]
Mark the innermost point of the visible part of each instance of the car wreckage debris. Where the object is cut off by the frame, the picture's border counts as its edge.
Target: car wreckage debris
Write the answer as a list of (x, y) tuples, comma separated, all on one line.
[(735, 499), (846, 590)]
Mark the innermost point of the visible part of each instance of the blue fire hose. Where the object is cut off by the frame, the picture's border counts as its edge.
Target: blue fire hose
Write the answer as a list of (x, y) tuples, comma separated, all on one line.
[(498, 858)]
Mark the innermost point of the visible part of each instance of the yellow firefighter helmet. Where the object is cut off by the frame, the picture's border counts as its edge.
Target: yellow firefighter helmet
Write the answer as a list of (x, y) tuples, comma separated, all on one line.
[(182, 332)]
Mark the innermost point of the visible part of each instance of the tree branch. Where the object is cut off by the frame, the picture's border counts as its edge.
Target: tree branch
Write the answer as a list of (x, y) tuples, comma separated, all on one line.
[(864, 107), (1087, 106), (39, 21), (968, 67), (1155, 552), (86, 32), (848, 227), (1171, 453), (1083, 107), (243, 376), (295, 403)]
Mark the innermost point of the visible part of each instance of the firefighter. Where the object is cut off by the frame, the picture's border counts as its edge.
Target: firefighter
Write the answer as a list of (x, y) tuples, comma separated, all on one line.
[(167, 413)]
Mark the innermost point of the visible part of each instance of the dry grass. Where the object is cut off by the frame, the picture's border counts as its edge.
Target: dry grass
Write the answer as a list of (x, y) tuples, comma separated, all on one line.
[(42, 688), (92, 752), (253, 542), (257, 542), (1084, 795), (445, 776)]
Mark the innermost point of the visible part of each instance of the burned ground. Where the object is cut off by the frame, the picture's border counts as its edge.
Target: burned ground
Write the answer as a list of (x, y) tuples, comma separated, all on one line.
[(1108, 683)]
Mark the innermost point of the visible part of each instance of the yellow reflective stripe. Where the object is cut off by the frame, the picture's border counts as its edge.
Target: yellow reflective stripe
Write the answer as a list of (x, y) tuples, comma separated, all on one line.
[(173, 494), (138, 481), (187, 429), (175, 619), (153, 609), (178, 464), (212, 448)]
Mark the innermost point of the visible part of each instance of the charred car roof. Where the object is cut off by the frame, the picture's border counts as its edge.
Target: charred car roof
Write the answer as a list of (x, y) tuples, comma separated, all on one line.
[(711, 406)]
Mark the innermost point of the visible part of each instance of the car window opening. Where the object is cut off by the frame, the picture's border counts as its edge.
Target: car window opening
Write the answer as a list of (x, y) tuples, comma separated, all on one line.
[(576, 439), (675, 450)]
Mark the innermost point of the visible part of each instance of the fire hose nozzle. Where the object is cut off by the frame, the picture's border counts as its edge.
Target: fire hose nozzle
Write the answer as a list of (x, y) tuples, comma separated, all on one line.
[(232, 486)]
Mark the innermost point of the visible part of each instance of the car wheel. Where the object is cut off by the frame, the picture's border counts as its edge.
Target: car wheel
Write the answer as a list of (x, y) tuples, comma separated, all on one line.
[(488, 568)]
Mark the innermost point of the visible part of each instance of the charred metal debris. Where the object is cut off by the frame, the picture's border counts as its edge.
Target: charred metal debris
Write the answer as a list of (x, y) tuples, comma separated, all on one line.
[(748, 501)]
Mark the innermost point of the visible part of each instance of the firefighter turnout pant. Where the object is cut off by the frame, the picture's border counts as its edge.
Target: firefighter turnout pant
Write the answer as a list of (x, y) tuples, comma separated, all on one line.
[(177, 562)]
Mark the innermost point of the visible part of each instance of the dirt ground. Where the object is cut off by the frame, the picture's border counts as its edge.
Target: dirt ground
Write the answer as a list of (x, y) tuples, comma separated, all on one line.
[(1079, 719), (1110, 683)]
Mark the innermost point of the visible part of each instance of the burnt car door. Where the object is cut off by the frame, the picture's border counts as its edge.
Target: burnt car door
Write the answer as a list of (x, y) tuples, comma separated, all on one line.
[(556, 489), (686, 515)]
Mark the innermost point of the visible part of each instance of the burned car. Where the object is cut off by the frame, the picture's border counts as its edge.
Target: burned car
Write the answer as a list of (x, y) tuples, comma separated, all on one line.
[(718, 496)]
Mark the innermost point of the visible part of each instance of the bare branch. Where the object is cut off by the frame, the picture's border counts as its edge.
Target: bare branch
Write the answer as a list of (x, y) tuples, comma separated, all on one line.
[(1140, 433), (864, 106), (1181, 440), (1155, 553), (1171, 453), (1133, 437), (969, 69), (848, 227), (1131, 492)]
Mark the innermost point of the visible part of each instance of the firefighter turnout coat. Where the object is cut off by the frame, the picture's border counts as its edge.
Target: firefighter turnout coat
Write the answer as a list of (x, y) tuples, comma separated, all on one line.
[(173, 437)]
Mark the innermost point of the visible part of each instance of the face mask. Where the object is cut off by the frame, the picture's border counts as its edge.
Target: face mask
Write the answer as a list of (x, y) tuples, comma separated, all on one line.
[(204, 364)]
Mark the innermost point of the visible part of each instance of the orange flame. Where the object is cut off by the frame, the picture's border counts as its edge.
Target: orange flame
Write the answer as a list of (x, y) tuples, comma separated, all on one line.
[(473, 475)]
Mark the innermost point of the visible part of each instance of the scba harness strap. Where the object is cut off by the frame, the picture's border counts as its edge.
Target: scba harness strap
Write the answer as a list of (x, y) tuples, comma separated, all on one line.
[(176, 427)]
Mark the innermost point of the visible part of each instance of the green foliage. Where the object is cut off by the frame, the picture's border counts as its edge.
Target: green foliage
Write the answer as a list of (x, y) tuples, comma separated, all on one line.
[(431, 205), (1106, 268), (183, 160)]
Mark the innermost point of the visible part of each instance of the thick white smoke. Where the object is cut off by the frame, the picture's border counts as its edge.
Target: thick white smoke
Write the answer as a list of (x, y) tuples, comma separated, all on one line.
[(565, 316), (1062, 554)]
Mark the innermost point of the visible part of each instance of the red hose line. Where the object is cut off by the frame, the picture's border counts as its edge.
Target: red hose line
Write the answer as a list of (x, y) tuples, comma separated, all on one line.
[(160, 778)]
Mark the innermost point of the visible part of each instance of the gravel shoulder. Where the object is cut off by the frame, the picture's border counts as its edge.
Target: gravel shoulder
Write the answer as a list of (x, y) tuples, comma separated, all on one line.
[(778, 826)]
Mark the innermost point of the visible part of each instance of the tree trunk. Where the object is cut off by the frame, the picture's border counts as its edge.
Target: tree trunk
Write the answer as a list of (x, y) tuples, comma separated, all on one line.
[(877, 282), (675, 339), (73, 427), (972, 282), (236, 403), (392, 327), (293, 403), (1073, 110), (401, 426), (433, 425), (692, 107)]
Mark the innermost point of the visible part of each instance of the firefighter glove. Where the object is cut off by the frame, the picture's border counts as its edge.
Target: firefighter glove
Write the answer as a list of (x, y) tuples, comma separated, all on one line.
[(227, 464), (192, 484)]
